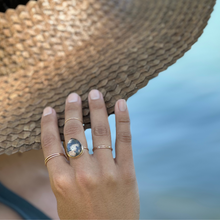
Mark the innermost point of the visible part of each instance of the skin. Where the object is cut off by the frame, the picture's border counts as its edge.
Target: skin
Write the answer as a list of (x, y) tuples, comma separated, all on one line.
[(95, 186), (92, 186), (26, 175)]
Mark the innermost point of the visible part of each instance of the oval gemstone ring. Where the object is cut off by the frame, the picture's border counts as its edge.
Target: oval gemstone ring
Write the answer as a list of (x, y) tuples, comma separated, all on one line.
[(74, 148)]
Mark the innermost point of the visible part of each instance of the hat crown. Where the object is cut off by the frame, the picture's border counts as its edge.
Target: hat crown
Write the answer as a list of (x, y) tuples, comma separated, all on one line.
[(43, 30)]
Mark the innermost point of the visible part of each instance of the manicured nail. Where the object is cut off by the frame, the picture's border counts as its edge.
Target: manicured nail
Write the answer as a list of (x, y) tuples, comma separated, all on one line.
[(122, 105), (94, 94), (73, 97), (47, 111)]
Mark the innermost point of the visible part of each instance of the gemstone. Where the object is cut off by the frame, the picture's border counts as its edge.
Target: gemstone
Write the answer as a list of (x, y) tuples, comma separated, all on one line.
[(74, 148)]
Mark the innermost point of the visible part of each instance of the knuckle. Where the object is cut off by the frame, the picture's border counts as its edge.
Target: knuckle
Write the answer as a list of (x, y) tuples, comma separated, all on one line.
[(72, 129), (129, 176), (61, 184), (124, 137), (124, 119), (101, 130), (49, 140), (86, 180), (110, 178)]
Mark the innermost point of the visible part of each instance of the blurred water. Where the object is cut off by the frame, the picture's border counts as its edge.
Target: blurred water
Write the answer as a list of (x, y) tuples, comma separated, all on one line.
[(175, 124)]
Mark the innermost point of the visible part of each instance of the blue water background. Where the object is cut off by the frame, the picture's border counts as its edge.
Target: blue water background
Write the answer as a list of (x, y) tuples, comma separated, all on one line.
[(175, 124)]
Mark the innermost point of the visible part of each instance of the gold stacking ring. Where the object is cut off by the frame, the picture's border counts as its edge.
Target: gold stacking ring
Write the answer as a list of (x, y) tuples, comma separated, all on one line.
[(73, 118), (52, 156), (103, 146)]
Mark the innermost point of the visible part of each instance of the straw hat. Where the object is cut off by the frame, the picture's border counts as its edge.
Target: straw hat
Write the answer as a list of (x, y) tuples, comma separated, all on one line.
[(51, 48)]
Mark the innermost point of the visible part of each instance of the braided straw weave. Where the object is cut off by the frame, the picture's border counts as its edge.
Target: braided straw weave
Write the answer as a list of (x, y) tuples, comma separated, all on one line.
[(51, 48)]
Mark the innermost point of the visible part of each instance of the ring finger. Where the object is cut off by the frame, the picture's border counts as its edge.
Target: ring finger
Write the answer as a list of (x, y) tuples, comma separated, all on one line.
[(100, 127), (74, 128)]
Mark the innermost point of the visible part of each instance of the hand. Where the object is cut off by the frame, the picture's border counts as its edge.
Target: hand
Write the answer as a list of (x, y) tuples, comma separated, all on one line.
[(93, 186)]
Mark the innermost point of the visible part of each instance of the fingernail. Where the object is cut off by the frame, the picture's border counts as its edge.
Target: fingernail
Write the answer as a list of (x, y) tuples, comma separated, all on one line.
[(73, 97), (94, 94), (47, 111), (122, 105)]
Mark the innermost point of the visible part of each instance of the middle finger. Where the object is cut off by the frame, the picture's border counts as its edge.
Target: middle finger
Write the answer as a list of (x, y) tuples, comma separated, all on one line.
[(74, 127)]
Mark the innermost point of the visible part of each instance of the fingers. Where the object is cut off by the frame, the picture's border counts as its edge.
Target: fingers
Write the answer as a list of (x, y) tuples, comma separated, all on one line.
[(50, 140), (100, 132), (100, 127), (124, 157), (74, 128)]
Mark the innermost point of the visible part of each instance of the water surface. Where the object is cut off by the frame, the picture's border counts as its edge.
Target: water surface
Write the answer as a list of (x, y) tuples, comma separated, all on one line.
[(175, 124)]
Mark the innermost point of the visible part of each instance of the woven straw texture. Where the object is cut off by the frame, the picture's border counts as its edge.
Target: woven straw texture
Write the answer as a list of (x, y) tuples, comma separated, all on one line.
[(51, 48)]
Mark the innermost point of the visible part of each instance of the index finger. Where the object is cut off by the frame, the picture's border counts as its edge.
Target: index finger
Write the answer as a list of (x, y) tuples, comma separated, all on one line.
[(51, 143)]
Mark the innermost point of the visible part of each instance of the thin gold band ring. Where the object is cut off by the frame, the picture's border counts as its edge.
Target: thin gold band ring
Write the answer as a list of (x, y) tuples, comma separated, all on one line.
[(103, 146), (52, 156), (73, 118)]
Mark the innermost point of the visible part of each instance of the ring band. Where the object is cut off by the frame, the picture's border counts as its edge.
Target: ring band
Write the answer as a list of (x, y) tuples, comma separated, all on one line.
[(103, 146), (52, 156), (73, 118)]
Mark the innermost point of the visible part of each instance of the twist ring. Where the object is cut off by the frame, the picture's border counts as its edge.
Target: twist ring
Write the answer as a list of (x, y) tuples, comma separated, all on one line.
[(103, 146), (52, 156)]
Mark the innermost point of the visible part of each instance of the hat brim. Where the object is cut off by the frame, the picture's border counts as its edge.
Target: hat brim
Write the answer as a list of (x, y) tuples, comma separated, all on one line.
[(111, 46)]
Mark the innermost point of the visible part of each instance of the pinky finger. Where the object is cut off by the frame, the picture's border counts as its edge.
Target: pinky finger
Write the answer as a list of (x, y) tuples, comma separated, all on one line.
[(124, 157)]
